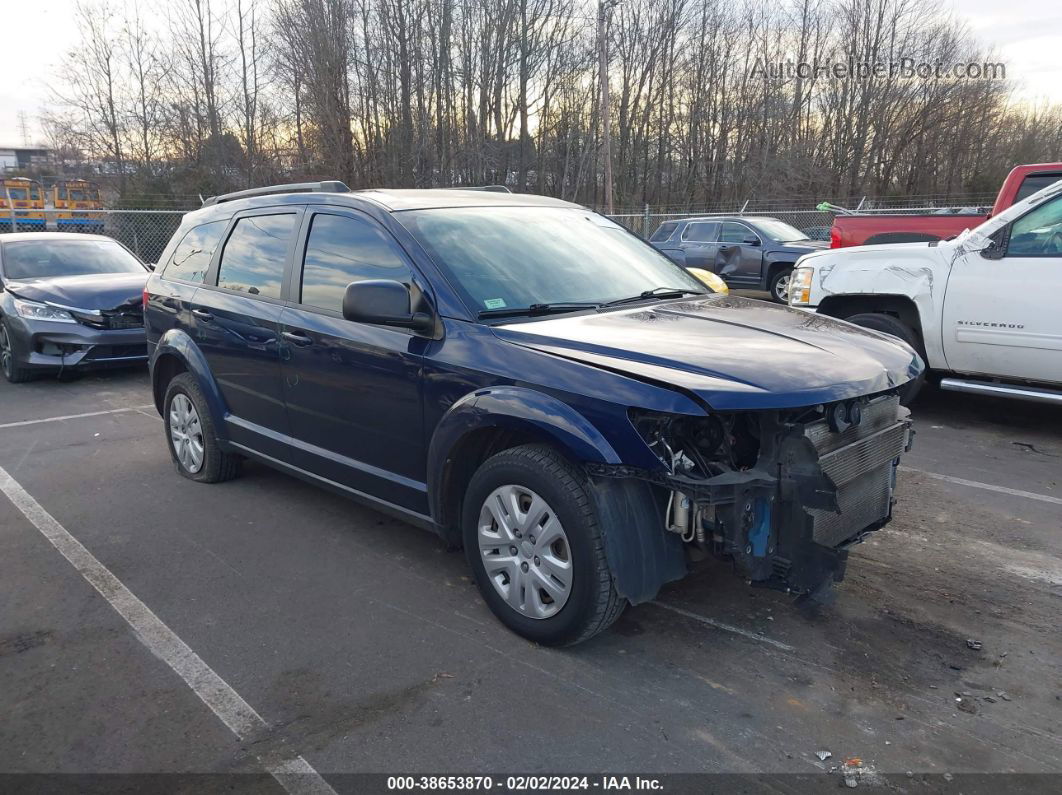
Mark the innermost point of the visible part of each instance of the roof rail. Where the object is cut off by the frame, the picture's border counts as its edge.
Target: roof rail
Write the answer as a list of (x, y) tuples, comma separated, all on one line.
[(491, 188), (328, 186)]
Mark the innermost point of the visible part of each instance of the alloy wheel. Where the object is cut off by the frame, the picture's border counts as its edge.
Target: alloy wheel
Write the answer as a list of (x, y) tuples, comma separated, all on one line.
[(525, 551), (7, 357), (186, 433), (781, 288)]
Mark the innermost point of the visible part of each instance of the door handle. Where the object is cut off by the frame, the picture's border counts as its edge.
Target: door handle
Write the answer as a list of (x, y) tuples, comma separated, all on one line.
[(202, 314), (296, 338)]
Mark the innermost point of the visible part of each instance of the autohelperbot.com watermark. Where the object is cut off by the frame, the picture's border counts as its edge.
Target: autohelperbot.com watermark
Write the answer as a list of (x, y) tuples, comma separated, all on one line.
[(901, 68)]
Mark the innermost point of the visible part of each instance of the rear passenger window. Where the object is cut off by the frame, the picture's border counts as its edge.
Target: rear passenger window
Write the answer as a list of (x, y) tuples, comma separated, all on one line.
[(254, 255), (341, 250), (191, 260)]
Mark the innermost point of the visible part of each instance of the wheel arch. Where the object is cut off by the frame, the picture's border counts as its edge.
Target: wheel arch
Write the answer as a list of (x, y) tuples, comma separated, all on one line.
[(773, 266), (177, 353), (641, 554), (902, 307), (490, 420)]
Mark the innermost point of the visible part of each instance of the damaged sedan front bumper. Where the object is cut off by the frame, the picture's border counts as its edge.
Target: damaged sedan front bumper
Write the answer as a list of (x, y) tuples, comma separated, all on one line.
[(101, 339), (782, 494)]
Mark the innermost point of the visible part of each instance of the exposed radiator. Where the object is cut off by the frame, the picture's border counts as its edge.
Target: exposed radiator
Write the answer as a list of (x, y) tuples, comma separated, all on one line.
[(859, 461)]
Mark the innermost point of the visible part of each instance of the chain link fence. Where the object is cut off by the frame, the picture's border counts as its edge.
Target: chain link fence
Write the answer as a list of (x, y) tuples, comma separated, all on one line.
[(814, 222), (147, 231), (144, 232)]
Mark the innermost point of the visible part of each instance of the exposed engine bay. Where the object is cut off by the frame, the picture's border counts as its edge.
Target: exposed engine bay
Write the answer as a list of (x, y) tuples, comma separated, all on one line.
[(782, 494)]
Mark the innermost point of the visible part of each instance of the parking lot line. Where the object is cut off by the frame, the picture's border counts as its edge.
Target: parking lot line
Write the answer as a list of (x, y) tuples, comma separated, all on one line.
[(22, 423), (1029, 495), (292, 772)]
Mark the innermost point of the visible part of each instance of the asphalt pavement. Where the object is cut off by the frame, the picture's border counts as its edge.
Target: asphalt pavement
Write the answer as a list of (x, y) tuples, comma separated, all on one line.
[(361, 644)]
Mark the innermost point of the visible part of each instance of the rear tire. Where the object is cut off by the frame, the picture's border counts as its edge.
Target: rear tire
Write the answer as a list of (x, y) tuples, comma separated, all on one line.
[(191, 436), (557, 497), (876, 321), (13, 372), (778, 286)]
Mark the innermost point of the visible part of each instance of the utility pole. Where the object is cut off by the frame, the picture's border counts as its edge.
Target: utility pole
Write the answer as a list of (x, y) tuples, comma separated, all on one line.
[(23, 126), (603, 7)]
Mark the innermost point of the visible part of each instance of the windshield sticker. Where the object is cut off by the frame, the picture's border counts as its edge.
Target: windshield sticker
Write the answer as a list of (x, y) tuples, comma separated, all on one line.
[(494, 303)]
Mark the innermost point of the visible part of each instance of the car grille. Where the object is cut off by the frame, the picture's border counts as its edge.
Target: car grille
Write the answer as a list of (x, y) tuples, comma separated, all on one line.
[(859, 461), (116, 319), (104, 352)]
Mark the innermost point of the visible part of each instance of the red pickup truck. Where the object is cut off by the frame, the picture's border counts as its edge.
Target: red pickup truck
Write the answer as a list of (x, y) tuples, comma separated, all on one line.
[(872, 228)]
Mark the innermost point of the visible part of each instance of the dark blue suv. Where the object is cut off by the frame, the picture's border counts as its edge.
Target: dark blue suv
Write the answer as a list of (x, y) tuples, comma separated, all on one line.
[(529, 380)]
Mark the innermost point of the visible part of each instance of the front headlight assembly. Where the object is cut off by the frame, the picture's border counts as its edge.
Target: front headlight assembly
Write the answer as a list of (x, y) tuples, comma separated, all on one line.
[(800, 286), (31, 310)]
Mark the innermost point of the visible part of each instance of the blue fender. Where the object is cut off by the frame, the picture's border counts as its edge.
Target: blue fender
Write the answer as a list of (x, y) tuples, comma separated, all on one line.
[(641, 554), (512, 408), (176, 342)]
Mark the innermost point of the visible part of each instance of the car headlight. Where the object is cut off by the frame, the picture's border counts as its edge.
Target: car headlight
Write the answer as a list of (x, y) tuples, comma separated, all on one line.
[(800, 287), (710, 280), (34, 311)]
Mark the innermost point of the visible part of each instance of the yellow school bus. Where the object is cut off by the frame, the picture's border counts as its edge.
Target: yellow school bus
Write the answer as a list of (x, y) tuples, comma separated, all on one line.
[(21, 204), (71, 198)]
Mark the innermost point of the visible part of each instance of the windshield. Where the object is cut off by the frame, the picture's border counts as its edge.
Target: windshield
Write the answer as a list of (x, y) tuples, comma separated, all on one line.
[(514, 257), (46, 259), (779, 230)]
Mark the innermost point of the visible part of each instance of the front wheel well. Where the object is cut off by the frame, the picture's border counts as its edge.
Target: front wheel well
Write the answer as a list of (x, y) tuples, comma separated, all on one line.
[(166, 368), (898, 306), (466, 456), (774, 267)]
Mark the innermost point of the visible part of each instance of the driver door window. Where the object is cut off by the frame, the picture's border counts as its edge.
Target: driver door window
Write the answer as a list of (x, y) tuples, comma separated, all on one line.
[(1038, 233), (734, 233)]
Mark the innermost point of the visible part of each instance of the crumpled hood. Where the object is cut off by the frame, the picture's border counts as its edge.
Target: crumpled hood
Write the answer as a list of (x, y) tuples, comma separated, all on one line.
[(100, 291), (850, 252), (731, 352)]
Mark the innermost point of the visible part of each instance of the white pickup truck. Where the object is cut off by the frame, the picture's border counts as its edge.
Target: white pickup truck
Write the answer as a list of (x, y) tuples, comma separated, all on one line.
[(984, 309)]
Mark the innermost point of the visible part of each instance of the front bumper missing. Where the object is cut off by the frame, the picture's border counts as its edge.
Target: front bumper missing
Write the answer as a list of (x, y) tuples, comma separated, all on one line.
[(789, 521)]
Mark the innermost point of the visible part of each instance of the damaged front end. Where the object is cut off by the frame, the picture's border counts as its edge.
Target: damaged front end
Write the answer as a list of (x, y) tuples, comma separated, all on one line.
[(783, 494)]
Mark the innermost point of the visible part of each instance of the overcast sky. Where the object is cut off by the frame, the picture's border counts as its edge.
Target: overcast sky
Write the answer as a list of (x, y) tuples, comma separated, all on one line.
[(1026, 33)]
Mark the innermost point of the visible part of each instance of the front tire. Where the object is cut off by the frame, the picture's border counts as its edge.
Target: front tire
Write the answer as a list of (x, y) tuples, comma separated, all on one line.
[(533, 541), (9, 359), (779, 284), (191, 436), (877, 321)]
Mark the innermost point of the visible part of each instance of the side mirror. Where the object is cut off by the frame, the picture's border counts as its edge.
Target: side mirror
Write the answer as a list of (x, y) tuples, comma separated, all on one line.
[(384, 302), (997, 246), (750, 240)]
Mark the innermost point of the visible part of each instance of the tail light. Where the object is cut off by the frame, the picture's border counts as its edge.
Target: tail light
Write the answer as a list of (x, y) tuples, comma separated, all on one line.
[(144, 298), (835, 237)]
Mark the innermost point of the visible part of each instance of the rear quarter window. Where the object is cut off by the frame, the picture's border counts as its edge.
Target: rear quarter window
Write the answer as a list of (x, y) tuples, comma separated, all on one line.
[(191, 258), (663, 232)]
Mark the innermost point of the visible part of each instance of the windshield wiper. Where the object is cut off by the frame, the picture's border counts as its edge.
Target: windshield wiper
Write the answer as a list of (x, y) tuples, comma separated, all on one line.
[(656, 292), (538, 309)]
